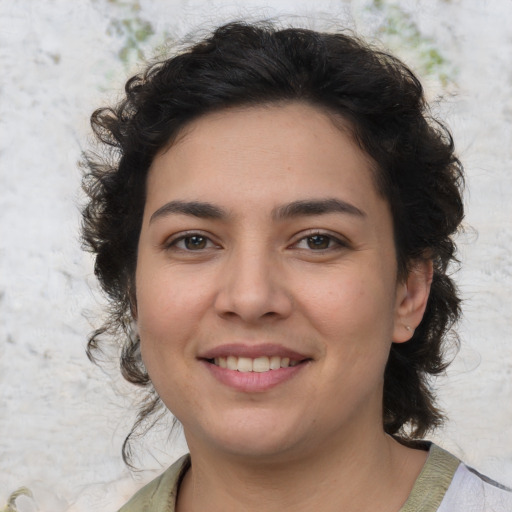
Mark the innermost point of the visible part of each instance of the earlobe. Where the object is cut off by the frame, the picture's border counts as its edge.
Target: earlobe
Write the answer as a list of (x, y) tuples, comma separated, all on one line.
[(411, 300)]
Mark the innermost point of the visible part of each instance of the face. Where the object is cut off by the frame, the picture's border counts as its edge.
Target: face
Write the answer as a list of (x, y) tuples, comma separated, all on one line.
[(267, 293)]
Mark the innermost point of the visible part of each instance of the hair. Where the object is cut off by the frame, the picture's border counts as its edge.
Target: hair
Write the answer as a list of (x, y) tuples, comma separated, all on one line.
[(242, 64)]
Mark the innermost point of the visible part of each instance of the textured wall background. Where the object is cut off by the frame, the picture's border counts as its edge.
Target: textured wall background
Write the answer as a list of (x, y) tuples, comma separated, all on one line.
[(62, 420)]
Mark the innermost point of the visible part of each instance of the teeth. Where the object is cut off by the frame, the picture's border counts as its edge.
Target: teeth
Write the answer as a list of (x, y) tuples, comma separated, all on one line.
[(232, 363), (244, 364), (275, 363), (259, 364)]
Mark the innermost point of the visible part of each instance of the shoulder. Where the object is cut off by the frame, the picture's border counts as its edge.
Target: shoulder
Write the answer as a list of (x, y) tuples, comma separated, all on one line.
[(159, 495), (472, 492)]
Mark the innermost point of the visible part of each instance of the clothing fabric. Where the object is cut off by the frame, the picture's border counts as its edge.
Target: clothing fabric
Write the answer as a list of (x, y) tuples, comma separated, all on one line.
[(445, 484)]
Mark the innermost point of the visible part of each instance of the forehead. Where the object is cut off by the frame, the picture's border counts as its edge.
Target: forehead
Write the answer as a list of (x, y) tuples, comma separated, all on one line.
[(261, 156)]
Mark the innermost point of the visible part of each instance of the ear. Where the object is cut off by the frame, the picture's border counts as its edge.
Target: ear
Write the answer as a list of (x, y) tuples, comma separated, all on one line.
[(411, 299)]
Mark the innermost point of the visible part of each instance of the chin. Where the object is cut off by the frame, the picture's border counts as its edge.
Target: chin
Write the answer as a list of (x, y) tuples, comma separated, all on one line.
[(252, 435)]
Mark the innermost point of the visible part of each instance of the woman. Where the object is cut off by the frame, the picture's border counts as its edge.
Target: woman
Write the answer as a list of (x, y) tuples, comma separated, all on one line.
[(274, 231)]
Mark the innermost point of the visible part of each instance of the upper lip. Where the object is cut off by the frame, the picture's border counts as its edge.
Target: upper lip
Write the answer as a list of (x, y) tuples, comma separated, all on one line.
[(252, 351)]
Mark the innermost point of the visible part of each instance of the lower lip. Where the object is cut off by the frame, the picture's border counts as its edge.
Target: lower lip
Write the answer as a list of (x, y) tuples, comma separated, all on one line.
[(253, 382)]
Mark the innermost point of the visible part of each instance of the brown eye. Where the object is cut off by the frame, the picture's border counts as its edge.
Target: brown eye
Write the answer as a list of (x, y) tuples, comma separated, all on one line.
[(318, 242), (191, 242), (195, 242)]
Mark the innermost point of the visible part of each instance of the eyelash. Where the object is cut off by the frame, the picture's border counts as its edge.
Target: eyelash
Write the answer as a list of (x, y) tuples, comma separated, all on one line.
[(173, 243), (332, 241)]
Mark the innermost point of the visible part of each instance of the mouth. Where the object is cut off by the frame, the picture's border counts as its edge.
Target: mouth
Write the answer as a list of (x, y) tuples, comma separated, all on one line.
[(254, 368), (260, 364)]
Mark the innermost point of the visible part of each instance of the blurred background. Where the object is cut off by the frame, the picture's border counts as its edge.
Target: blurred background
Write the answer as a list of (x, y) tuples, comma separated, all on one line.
[(63, 420)]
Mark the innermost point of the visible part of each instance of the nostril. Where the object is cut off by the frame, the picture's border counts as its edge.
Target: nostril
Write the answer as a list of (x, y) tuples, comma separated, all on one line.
[(229, 314)]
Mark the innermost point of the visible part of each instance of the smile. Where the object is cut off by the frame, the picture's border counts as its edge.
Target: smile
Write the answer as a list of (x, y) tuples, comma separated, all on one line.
[(257, 364), (254, 368)]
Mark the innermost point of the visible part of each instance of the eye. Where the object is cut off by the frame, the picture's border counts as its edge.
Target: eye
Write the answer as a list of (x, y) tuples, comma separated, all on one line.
[(195, 242), (319, 242), (191, 242)]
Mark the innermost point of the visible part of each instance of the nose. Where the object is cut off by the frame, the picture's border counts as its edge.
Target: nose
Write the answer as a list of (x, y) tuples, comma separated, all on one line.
[(253, 289)]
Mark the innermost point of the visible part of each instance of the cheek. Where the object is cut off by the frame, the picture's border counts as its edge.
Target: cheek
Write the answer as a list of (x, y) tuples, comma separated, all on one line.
[(349, 305), (354, 318), (165, 298), (171, 308)]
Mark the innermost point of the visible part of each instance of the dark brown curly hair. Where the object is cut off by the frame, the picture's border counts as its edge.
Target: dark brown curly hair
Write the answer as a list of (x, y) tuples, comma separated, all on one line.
[(253, 64)]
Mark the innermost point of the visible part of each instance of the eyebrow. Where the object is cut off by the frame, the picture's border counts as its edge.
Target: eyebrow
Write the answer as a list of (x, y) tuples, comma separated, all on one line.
[(301, 208), (310, 207), (202, 210)]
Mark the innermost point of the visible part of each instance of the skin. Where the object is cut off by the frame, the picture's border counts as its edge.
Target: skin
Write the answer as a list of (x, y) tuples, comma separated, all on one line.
[(253, 277)]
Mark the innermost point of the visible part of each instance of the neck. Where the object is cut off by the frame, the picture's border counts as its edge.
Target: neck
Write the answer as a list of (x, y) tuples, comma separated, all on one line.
[(373, 472)]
